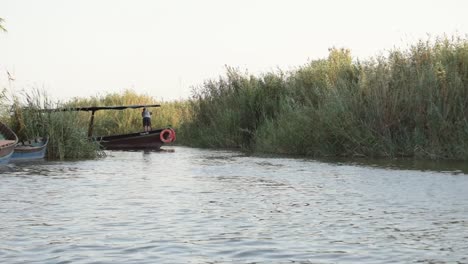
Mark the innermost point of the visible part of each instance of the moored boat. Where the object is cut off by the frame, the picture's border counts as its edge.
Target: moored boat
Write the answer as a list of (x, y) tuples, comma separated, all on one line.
[(153, 139), (148, 140), (30, 150), (8, 141)]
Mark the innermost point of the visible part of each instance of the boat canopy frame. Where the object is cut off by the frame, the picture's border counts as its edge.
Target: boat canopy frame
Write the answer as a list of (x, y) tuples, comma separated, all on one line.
[(93, 109)]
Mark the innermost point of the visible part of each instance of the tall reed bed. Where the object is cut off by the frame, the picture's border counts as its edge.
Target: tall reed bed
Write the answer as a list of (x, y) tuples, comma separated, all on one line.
[(227, 112), (412, 102), (66, 130)]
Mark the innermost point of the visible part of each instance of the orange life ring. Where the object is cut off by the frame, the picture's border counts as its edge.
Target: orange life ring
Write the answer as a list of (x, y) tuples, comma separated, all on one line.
[(168, 138)]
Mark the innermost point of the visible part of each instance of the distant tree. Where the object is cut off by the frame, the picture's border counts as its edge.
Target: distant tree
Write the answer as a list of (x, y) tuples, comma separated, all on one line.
[(2, 28)]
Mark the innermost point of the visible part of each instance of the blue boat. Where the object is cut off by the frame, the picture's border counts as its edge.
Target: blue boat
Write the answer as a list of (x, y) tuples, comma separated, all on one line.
[(30, 150), (8, 141)]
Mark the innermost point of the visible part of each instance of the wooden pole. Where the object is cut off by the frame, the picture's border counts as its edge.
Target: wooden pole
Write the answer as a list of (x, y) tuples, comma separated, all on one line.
[(91, 124)]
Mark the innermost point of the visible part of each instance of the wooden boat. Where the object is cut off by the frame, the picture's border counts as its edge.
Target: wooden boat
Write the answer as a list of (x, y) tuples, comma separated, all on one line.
[(30, 150), (8, 141), (151, 140)]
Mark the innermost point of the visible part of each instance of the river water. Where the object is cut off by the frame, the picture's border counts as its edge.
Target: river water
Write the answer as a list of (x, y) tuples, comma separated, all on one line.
[(205, 206)]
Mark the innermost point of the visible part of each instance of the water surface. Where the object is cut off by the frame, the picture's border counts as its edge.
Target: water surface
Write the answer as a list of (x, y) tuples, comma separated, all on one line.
[(204, 206)]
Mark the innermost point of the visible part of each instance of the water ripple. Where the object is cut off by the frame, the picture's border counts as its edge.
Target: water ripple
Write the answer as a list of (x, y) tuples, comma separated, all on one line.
[(202, 206)]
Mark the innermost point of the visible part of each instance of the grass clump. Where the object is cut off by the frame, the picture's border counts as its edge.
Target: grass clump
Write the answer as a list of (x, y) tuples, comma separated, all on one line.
[(66, 131)]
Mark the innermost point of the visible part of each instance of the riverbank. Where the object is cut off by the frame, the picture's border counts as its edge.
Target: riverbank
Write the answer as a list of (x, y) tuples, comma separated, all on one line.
[(408, 103)]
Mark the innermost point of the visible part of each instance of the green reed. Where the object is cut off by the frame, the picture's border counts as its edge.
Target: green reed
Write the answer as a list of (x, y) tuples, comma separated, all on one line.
[(412, 102), (227, 112), (66, 131), (2, 28)]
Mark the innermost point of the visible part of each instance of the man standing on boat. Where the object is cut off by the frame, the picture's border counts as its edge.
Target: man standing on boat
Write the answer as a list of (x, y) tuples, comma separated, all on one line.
[(146, 119)]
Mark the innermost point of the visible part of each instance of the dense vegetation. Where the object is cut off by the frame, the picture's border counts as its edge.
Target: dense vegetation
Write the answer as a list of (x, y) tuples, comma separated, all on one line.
[(411, 102), (66, 131)]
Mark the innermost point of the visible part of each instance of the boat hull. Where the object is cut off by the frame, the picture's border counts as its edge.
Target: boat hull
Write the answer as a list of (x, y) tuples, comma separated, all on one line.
[(8, 141), (142, 140), (31, 150), (5, 158)]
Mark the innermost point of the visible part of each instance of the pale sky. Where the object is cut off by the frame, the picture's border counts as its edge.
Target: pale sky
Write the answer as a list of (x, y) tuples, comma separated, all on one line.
[(162, 48)]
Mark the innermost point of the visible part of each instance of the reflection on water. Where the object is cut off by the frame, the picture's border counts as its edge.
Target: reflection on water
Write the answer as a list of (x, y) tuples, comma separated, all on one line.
[(202, 206)]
